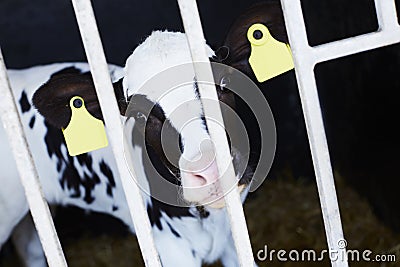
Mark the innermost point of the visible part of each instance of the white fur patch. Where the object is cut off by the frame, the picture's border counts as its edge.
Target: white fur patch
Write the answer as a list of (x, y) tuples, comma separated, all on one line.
[(160, 51)]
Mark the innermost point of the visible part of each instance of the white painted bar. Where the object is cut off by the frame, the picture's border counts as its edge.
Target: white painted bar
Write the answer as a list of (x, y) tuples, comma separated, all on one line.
[(306, 58), (28, 173), (98, 66), (387, 34), (355, 45), (386, 14), (194, 33), (304, 66)]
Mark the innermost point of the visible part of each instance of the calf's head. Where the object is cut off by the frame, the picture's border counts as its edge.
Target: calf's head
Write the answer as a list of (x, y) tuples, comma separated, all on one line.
[(160, 97), (168, 118), (165, 102)]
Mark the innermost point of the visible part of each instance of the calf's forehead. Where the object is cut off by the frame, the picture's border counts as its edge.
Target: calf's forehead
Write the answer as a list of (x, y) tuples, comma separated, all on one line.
[(160, 51), (161, 69)]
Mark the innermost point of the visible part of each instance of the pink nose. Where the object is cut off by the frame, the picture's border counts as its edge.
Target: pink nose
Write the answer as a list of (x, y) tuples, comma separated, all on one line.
[(201, 176)]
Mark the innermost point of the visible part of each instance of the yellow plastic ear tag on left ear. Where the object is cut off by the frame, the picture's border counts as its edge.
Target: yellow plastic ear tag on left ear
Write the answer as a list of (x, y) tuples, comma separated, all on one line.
[(269, 57), (84, 132)]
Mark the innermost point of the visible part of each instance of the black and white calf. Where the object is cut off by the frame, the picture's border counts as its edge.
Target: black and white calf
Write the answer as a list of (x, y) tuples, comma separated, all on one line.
[(84, 181), (184, 236)]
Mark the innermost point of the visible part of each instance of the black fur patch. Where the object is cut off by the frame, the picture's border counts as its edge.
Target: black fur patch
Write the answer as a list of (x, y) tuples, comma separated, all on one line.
[(119, 94), (196, 89), (157, 207), (203, 118), (105, 169), (154, 161), (151, 127), (204, 122), (24, 102), (52, 98), (203, 213), (174, 231), (84, 160), (69, 177), (89, 182), (32, 122)]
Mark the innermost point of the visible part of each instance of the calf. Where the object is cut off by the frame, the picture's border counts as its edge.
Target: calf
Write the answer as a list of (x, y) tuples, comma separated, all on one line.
[(190, 227), (61, 182), (185, 235)]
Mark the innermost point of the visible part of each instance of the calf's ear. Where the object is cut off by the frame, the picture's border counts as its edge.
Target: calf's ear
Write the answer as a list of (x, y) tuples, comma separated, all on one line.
[(52, 99), (235, 50)]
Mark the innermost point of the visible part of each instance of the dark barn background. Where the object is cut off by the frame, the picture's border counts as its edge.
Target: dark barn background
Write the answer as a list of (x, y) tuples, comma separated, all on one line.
[(358, 96)]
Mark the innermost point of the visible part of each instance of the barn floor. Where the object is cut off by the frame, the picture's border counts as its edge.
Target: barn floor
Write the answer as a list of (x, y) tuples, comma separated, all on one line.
[(283, 214)]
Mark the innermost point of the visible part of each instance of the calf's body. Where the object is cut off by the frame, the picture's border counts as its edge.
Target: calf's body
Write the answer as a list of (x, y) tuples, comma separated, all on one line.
[(184, 236)]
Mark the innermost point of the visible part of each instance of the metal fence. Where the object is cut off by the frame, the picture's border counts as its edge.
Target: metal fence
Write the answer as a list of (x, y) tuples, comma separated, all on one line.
[(305, 58)]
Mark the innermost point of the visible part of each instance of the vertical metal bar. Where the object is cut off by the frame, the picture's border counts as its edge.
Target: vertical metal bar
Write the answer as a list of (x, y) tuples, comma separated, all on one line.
[(98, 66), (315, 129), (305, 59), (386, 14), (28, 173), (195, 36)]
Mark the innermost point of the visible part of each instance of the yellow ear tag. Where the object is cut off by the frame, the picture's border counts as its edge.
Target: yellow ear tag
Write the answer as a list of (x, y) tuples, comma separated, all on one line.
[(84, 132), (269, 57)]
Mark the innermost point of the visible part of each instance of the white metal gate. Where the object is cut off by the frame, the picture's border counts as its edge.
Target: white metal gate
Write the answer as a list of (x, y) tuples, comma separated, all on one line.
[(305, 58)]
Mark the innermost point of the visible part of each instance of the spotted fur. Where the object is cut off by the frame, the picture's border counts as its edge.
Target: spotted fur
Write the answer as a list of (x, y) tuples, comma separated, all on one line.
[(184, 236)]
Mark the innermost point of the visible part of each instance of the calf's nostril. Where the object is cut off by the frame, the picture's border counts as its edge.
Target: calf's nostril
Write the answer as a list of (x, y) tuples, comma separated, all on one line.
[(200, 180)]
